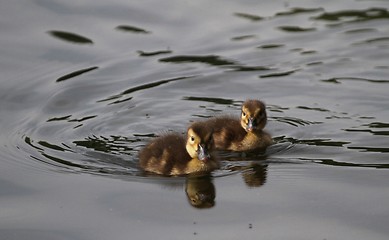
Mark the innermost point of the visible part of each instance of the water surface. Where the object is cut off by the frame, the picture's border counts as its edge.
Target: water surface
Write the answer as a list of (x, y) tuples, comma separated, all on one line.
[(85, 85)]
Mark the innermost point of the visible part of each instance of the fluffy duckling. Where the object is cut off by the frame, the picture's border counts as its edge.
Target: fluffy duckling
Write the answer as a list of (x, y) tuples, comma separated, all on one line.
[(173, 154), (245, 134)]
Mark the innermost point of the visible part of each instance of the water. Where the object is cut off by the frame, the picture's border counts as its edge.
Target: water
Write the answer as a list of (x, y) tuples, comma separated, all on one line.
[(86, 84)]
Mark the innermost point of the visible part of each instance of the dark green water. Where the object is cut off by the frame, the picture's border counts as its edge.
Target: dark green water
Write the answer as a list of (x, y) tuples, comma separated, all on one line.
[(84, 85)]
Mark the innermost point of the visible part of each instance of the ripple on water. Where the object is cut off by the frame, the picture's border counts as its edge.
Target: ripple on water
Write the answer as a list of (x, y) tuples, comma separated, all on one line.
[(117, 155), (76, 73), (95, 120), (55, 144), (353, 16), (70, 37), (132, 29)]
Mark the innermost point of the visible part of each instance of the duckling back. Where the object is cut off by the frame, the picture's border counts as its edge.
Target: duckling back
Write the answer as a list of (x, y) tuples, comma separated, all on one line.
[(227, 132), (164, 155)]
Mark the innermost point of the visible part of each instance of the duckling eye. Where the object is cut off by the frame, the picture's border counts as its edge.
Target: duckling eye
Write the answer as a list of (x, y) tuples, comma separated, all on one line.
[(192, 138), (243, 114)]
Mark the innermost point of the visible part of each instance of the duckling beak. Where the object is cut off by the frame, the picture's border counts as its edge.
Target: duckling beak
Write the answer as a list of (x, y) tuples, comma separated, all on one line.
[(202, 153), (250, 125)]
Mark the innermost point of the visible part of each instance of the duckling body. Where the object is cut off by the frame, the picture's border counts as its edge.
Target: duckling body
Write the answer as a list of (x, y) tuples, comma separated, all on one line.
[(227, 132), (229, 135), (244, 134), (173, 154)]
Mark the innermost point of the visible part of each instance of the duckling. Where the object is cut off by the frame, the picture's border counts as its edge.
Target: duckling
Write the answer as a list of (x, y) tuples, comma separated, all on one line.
[(245, 134), (173, 154)]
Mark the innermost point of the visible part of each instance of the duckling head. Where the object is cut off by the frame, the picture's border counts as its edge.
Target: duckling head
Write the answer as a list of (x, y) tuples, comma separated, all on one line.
[(253, 115), (199, 141)]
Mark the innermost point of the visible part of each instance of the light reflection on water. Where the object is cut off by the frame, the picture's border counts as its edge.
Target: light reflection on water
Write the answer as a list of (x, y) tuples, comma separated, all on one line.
[(83, 93)]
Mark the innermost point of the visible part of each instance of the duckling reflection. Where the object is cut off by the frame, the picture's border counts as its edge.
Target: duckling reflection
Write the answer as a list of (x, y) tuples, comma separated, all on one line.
[(200, 191), (172, 154), (255, 175), (244, 134)]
